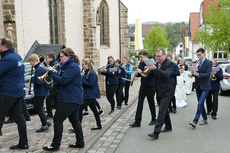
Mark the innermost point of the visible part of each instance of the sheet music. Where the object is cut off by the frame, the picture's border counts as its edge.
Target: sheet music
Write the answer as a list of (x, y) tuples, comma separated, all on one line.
[(126, 79), (193, 68), (215, 68), (149, 61), (113, 69)]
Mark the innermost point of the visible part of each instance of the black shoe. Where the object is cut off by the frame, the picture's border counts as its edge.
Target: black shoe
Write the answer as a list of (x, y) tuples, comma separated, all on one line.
[(28, 119), (126, 103), (43, 129), (152, 122), (135, 125), (1, 133), (214, 117), (166, 130), (118, 107), (208, 113), (76, 146), (48, 124), (100, 112), (71, 130), (111, 112), (9, 121), (96, 128), (50, 148), (174, 111), (154, 135), (170, 111), (19, 147), (85, 113)]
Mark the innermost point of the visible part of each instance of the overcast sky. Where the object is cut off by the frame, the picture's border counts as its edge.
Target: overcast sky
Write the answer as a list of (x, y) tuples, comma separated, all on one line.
[(161, 10)]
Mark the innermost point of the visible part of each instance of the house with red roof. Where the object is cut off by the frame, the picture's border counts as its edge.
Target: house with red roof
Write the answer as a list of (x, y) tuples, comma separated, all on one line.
[(194, 27)]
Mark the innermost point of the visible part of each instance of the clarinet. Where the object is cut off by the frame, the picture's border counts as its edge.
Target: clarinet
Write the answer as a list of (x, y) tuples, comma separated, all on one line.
[(31, 73)]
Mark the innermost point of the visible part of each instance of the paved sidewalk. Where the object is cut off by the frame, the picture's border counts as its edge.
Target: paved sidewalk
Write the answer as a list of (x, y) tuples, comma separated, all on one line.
[(38, 140)]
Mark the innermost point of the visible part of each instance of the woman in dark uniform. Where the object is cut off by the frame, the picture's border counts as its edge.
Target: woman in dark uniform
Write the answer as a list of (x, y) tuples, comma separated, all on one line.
[(69, 99)]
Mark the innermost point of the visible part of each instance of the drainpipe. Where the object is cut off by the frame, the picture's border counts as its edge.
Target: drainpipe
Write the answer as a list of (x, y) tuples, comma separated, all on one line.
[(119, 3)]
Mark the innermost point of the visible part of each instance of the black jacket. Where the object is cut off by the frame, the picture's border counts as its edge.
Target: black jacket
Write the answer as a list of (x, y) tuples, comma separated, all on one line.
[(164, 78)]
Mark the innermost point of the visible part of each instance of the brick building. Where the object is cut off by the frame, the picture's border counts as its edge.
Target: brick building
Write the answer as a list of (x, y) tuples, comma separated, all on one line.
[(94, 29)]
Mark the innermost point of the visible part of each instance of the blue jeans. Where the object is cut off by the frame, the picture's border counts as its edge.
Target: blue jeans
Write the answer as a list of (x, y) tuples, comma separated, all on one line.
[(201, 96)]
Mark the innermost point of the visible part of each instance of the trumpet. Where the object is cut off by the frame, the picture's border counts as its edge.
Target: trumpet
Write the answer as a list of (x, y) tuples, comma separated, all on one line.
[(45, 77)]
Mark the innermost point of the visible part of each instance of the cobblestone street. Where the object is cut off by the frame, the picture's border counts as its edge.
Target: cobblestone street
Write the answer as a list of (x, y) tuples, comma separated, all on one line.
[(38, 140)]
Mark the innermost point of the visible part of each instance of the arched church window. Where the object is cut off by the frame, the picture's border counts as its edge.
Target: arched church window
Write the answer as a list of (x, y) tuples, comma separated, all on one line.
[(56, 18), (103, 20)]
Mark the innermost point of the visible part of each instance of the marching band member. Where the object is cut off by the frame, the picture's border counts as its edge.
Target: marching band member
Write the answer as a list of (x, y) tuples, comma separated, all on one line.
[(121, 72), (12, 85), (146, 90), (40, 92), (91, 91), (128, 72), (111, 81), (202, 85), (163, 71), (69, 99), (212, 98)]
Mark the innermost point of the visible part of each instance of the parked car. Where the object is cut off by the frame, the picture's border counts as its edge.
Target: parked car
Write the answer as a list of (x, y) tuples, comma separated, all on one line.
[(29, 92), (225, 83)]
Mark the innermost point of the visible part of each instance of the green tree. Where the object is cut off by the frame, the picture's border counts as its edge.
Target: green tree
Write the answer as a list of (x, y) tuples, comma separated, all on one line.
[(215, 33), (155, 39), (175, 34)]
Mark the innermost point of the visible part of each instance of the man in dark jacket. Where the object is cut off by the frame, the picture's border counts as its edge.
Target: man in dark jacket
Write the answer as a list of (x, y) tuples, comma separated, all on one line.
[(40, 91), (163, 71), (212, 98), (11, 90), (146, 90), (202, 85)]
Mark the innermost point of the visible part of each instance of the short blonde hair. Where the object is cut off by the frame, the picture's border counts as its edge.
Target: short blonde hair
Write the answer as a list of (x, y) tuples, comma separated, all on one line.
[(33, 57)]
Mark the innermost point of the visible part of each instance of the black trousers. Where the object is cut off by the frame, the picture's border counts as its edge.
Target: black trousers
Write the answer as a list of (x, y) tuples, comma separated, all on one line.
[(14, 107), (24, 111), (149, 93), (125, 96), (172, 104), (51, 100), (96, 103), (92, 104), (119, 94), (212, 101), (110, 91), (64, 110), (163, 114), (38, 104)]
